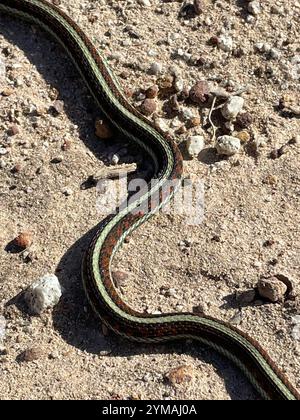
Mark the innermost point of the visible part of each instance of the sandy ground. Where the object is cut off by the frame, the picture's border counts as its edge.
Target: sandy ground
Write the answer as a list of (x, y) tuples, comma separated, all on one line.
[(248, 201)]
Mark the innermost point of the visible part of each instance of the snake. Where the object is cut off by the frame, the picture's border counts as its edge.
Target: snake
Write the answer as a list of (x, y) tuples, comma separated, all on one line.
[(167, 163)]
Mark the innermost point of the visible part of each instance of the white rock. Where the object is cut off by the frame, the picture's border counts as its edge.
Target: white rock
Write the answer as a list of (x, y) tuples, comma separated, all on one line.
[(151, 53), (162, 125), (259, 46), (228, 145), (232, 107), (187, 114), (146, 3), (274, 53), (2, 329), (2, 164), (3, 151), (296, 319), (254, 7), (295, 69), (296, 332), (156, 68), (225, 43), (178, 84), (43, 293), (250, 19), (115, 159), (266, 47), (67, 191), (195, 144), (2, 70)]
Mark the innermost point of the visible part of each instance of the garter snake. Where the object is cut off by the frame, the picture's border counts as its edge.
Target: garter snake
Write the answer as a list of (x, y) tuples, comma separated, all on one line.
[(243, 350)]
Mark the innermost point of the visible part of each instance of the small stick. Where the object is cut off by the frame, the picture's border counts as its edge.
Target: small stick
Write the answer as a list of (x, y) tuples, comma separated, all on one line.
[(212, 109), (113, 172), (108, 172)]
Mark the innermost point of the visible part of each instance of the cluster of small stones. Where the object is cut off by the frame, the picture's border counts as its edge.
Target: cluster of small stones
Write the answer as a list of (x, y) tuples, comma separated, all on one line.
[(189, 109)]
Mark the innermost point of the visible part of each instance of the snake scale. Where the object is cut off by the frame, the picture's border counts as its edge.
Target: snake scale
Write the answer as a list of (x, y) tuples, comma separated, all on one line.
[(237, 346)]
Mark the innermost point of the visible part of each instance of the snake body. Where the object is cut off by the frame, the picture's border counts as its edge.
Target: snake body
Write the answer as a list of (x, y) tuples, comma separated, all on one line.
[(243, 350)]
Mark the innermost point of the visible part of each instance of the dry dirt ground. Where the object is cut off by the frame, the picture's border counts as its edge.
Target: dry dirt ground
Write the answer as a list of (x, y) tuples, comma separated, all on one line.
[(249, 200)]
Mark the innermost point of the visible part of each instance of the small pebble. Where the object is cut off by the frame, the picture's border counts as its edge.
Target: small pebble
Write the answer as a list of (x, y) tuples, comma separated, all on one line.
[(2, 330), (296, 332), (58, 106), (152, 92), (3, 151), (66, 145), (7, 91), (194, 122), (195, 144), (173, 103), (23, 240), (119, 278), (199, 7), (201, 308), (272, 289), (199, 92), (296, 328), (67, 192), (2, 70), (244, 120), (148, 107), (156, 68), (162, 125), (13, 130), (180, 375), (31, 354), (254, 7), (274, 54), (225, 43), (145, 3), (103, 131), (178, 84), (228, 145), (43, 294), (166, 82), (244, 136), (237, 318), (232, 107)]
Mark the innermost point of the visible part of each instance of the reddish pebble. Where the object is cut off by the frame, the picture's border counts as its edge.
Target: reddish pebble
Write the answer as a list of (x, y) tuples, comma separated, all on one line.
[(199, 92), (66, 145), (152, 92), (16, 169), (194, 122), (214, 40), (148, 107), (181, 374), (119, 278), (13, 130), (31, 354), (244, 120), (103, 131), (24, 240), (199, 7)]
